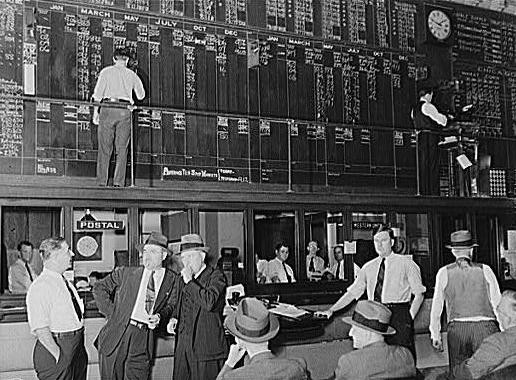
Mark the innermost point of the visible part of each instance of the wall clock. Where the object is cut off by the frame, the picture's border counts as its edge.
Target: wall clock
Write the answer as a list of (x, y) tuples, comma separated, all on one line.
[(439, 24)]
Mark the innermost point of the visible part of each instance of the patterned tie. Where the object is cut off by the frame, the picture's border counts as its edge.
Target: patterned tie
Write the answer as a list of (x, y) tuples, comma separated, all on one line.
[(74, 300), (311, 267), (379, 282), (28, 271), (337, 273), (150, 296), (289, 279)]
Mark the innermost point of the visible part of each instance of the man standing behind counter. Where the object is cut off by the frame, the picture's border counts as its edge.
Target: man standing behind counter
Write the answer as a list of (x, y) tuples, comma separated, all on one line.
[(21, 273), (115, 84), (390, 279)]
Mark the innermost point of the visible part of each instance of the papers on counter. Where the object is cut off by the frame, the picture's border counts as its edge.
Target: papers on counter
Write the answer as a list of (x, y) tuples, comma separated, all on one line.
[(288, 310)]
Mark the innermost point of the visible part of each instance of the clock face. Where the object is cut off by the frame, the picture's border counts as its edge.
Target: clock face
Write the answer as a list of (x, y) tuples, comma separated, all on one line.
[(439, 24), (87, 246)]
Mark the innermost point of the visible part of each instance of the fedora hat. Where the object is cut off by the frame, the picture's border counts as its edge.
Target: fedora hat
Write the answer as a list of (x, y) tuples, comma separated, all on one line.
[(461, 239), (192, 242), (372, 316), (155, 238), (252, 322)]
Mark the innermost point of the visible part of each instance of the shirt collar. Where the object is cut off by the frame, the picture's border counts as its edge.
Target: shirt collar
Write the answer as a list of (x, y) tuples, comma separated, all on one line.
[(203, 267), (156, 271), (265, 353), (51, 273), (423, 99), (377, 343)]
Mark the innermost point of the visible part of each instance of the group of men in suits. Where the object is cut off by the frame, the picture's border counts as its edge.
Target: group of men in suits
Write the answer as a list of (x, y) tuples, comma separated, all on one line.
[(137, 300)]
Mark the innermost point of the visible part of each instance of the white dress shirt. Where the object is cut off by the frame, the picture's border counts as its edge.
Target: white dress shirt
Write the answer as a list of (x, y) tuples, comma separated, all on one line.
[(318, 264), (342, 275), (139, 313), (49, 304), (19, 279), (118, 82), (402, 278), (429, 110), (275, 269), (441, 281)]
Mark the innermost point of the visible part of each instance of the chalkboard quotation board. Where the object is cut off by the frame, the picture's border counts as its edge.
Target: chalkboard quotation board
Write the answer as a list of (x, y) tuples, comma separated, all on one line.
[(231, 84)]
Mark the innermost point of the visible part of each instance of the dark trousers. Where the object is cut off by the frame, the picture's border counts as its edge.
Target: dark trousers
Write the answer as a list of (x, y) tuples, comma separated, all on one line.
[(465, 337), (72, 363), (188, 367), (402, 321), (114, 124), (428, 154), (131, 359)]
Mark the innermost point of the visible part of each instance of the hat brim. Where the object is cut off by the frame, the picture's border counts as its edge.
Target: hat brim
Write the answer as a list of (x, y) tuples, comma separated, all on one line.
[(273, 329), (204, 249), (139, 247), (350, 321), (461, 246)]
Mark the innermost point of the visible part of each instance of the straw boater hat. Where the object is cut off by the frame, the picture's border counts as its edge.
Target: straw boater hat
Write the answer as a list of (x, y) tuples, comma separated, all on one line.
[(155, 238), (192, 242), (372, 316), (252, 322), (461, 239)]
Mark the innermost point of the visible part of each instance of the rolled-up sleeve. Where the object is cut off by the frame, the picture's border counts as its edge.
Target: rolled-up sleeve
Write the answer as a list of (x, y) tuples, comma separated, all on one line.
[(38, 308), (414, 278), (357, 288)]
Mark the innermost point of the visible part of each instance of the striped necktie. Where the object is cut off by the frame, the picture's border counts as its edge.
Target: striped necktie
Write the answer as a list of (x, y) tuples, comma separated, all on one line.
[(150, 295), (379, 282)]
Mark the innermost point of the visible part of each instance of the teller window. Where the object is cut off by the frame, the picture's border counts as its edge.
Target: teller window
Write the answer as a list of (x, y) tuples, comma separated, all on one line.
[(274, 247), (23, 230)]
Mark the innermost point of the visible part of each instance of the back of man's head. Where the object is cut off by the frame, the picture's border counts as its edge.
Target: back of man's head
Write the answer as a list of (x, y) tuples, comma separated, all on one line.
[(121, 54)]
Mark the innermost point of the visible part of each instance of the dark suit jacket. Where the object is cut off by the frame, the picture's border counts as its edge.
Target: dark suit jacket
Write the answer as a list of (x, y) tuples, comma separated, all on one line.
[(266, 366), (496, 352), (206, 297), (376, 361), (115, 296)]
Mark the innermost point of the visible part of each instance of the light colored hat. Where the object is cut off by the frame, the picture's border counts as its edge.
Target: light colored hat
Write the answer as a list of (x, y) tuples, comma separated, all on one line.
[(155, 238), (372, 316), (192, 242), (461, 239), (252, 322)]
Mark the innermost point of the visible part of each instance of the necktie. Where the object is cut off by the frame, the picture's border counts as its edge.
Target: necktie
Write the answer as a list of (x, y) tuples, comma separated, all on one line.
[(311, 267), (379, 282), (74, 300), (28, 271), (150, 295), (337, 273), (289, 279)]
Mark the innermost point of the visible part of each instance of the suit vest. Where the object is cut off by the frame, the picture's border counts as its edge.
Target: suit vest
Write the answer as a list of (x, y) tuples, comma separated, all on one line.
[(467, 292)]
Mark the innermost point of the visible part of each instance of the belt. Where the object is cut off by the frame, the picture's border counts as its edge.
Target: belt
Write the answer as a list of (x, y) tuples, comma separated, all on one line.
[(67, 334), (112, 100), (140, 325), (397, 304)]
